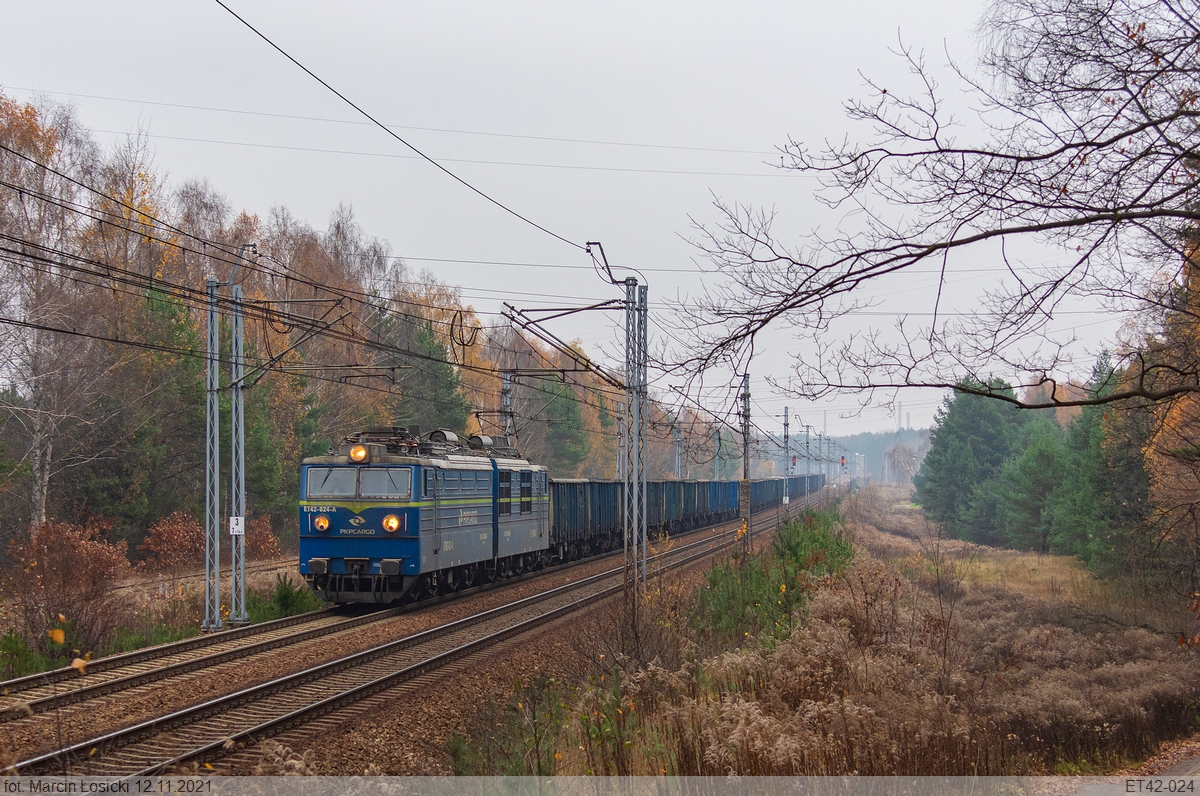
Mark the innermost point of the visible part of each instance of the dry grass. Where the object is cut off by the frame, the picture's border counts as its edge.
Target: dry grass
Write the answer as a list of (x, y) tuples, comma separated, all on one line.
[(888, 527), (930, 657)]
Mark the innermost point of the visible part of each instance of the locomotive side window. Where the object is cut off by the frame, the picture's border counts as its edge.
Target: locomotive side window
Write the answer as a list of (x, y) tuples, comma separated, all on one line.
[(526, 492), (505, 493), (331, 481), (391, 482)]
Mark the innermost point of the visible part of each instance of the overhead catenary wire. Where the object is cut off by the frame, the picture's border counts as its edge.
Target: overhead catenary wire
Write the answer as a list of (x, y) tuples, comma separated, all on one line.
[(214, 251), (469, 161), (370, 298), (350, 293), (401, 126), (194, 298), (396, 136)]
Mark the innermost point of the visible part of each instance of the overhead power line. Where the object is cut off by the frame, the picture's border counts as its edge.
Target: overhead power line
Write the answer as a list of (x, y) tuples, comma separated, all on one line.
[(776, 174), (110, 275), (243, 112), (394, 135)]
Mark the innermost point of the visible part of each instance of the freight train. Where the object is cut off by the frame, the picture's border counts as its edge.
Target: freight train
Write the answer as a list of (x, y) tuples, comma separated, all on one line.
[(393, 515)]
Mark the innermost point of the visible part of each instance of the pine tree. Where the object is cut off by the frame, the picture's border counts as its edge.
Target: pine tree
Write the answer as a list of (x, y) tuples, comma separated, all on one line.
[(1027, 484), (429, 386), (957, 483), (569, 443)]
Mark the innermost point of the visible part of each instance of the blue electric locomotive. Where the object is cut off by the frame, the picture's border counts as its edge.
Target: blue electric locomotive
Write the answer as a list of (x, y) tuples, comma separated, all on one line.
[(392, 514)]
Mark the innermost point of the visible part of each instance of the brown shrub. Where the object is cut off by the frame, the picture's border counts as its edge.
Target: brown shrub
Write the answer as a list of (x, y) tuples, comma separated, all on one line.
[(278, 760), (67, 569), (261, 542), (174, 543), (943, 659)]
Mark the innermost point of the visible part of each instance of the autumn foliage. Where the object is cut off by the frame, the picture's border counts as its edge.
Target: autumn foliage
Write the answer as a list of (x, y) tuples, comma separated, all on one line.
[(128, 439), (261, 542), (174, 543), (926, 657), (67, 569), (64, 557)]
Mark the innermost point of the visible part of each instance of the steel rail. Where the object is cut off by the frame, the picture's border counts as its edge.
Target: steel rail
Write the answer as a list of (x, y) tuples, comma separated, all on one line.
[(185, 666), (158, 726), (357, 694), (54, 698), (163, 726), (109, 662)]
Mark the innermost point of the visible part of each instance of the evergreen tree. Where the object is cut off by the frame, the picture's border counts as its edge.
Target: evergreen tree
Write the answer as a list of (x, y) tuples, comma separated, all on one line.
[(1029, 479), (1126, 546), (155, 440), (1078, 519), (568, 440), (957, 482), (430, 396), (264, 465), (1099, 510)]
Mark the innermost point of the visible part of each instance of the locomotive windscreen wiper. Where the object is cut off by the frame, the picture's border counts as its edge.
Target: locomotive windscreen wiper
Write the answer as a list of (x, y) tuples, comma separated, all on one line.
[(392, 482), (331, 481)]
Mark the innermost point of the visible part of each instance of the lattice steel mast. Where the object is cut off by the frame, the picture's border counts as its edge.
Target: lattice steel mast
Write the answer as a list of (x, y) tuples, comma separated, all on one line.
[(212, 459), (634, 436)]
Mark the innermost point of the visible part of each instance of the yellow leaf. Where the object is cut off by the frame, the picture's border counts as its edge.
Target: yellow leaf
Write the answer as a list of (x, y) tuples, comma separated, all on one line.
[(57, 635), (62, 618), (80, 664), (208, 766)]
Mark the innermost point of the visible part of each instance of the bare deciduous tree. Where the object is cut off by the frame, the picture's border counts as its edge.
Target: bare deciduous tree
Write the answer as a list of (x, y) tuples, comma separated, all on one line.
[(1092, 133)]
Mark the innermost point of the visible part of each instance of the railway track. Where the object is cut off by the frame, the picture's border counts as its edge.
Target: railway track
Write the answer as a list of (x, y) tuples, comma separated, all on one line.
[(59, 688), (219, 726)]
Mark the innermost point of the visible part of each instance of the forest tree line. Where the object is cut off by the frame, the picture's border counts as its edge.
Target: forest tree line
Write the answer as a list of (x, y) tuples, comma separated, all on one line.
[(102, 392), (1115, 484)]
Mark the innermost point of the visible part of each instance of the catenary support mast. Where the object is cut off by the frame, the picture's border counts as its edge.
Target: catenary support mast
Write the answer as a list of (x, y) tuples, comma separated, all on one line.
[(212, 460), (212, 467), (237, 509)]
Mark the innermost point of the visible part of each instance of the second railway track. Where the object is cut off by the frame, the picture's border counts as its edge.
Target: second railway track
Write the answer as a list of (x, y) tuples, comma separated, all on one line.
[(215, 727), (60, 688), (64, 687)]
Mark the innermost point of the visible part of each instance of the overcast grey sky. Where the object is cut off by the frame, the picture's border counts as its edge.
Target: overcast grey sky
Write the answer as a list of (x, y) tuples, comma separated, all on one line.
[(653, 109)]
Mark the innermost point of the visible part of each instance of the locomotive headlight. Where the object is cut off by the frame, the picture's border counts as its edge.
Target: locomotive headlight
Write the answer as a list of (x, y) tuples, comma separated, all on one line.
[(358, 453), (321, 523), (391, 523)]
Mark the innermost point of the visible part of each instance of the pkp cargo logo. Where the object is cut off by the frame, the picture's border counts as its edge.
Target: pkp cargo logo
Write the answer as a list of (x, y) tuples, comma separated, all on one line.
[(356, 521)]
